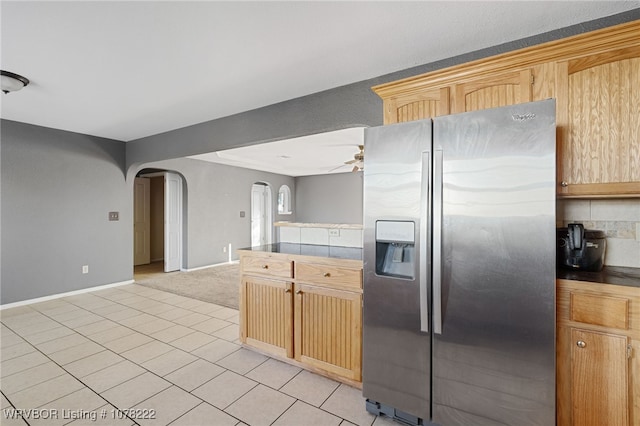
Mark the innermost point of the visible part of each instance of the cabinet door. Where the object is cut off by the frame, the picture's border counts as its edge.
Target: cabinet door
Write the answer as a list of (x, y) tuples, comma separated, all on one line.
[(266, 315), (599, 379), (328, 330), (494, 91), (598, 101), (426, 103)]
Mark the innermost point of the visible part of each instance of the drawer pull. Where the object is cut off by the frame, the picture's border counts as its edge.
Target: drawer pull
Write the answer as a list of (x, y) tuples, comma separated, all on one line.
[(298, 291), (287, 290), (581, 344), (326, 275), (564, 184), (265, 266)]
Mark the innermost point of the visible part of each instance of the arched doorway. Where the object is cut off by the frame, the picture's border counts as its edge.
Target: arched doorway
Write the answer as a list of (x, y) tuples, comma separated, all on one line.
[(261, 214), (158, 219)]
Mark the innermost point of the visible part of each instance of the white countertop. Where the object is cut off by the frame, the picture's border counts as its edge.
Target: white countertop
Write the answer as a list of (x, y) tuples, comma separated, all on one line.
[(320, 225)]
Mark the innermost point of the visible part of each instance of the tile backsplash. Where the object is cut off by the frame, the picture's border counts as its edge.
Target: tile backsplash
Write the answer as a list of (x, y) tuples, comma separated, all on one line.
[(619, 219)]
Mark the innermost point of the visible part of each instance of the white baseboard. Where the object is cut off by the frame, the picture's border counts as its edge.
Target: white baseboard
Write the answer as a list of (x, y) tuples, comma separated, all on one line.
[(59, 295), (210, 266)]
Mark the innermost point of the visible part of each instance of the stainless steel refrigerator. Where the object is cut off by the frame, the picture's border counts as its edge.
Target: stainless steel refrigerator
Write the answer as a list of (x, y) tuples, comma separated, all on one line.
[(459, 268)]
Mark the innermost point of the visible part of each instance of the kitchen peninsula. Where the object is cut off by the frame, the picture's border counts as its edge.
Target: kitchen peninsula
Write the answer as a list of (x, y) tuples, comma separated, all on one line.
[(302, 304)]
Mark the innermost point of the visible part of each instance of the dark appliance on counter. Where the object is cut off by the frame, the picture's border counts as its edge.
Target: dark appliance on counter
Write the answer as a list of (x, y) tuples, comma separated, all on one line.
[(580, 248)]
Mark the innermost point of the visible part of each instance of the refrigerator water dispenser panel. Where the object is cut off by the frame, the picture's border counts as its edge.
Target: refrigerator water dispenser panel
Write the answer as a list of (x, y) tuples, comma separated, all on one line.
[(395, 248)]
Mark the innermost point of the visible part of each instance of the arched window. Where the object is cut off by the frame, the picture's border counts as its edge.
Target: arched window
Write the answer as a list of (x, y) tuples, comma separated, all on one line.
[(284, 200)]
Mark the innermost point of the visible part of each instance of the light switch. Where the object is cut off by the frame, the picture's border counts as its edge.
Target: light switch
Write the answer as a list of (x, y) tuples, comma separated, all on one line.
[(114, 216), (241, 213)]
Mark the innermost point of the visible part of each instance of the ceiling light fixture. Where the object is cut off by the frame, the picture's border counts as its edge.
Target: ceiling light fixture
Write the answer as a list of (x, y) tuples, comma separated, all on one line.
[(12, 82)]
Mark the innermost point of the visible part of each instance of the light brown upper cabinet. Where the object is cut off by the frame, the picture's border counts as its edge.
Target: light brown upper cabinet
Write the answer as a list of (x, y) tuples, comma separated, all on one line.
[(595, 79), (416, 106), (493, 91), (599, 123)]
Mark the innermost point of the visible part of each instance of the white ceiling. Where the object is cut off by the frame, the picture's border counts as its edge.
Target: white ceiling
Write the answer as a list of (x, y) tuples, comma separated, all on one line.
[(319, 154), (126, 70)]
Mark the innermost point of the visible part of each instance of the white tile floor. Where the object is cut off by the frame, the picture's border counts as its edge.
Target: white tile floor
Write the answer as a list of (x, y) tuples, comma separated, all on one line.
[(134, 355)]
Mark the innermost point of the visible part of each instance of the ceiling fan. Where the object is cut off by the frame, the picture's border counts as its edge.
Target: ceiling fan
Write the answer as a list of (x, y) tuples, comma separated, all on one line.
[(358, 160)]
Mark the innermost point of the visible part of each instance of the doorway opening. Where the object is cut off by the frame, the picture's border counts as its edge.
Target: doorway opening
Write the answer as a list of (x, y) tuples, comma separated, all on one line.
[(261, 214), (158, 222)]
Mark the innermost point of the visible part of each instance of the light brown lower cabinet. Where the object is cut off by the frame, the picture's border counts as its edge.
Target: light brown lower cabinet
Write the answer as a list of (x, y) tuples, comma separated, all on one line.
[(267, 315), (328, 330), (599, 379), (598, 364), (311, 317)]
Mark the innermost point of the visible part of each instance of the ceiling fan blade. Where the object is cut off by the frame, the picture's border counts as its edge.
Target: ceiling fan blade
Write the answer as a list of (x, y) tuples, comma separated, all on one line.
[(358, 163)]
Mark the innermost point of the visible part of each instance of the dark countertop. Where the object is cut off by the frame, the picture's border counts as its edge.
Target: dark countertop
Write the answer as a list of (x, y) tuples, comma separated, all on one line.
[(334, 252), (610, 275)]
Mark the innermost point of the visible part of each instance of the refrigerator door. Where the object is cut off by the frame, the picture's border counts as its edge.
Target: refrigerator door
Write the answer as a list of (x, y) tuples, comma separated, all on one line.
[(494, 356), (396, 353)]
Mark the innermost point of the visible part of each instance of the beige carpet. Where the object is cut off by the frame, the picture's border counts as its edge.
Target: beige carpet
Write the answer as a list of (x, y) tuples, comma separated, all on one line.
[(218, 284)]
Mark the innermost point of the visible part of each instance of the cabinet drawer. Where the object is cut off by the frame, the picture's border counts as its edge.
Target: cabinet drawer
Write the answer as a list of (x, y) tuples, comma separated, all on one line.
[(267, 266), (328, 275), (600, 310)]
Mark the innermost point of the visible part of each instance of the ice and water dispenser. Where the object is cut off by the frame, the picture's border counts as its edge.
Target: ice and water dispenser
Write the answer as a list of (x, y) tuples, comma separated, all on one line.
[(395, 248)]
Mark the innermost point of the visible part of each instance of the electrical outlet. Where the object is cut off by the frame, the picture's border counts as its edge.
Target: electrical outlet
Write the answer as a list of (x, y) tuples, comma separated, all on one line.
[(334, 232), (224, 249), (85, 269)]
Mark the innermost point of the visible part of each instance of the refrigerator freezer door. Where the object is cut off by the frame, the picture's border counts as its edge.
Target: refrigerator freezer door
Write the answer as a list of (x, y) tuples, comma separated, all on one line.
[(396, 354), (494, 362)]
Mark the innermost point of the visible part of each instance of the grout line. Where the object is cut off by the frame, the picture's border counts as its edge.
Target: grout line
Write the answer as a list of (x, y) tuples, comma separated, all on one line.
[(13, 406), (77, 304), (118, 354), (70, 374)]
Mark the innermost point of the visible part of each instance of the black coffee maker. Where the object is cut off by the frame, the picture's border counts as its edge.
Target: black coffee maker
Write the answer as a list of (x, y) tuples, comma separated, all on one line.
[(580, 248)]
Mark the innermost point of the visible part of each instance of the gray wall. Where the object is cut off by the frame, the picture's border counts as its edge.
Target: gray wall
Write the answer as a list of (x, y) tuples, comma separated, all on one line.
[(57, 190), (334, 198), (215, 195)]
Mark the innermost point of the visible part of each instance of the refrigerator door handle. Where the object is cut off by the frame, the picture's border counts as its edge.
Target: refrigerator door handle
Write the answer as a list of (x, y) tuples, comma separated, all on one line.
[(437, 241), (425, 207)]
